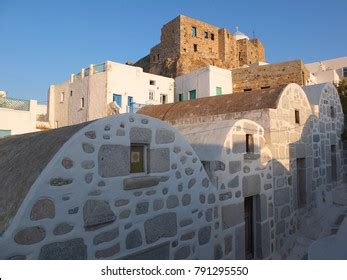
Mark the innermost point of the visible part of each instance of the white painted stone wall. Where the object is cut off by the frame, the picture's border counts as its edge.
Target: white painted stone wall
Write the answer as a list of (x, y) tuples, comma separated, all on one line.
[(86, 204), (221, 146), (204, 81)]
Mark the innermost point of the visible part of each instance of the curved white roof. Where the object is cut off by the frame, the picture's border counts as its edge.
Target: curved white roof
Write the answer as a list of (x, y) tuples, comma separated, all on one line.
[(314, 92), (239, 35)]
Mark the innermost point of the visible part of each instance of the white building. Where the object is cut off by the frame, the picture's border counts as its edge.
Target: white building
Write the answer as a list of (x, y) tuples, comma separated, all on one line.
[(328, 71), (207, 81), (18, 116), (106, 89)]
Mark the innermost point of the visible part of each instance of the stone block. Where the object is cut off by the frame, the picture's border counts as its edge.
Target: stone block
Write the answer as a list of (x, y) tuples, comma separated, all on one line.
[(30, 235), (97, 212), (62, 228), (163, 225), (159, 160), (88, 148), (141, 182), (280, 227), (109, 252), (106, 236), (281, 196), (251, 185), (140, 135), (285, 212), (114, 160), (164, 136), (234, 166), (142, 208), (133, 239), (234, 183), (204, 235), (218, 252), (73, 249), (158, 252), (43, 209), (232, 215), (182, 253)]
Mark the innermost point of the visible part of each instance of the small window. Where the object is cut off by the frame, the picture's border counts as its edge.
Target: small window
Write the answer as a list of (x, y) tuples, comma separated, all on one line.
[(180, 97), (249, 143), (192, 94), (152, 82), (247, 89), (265, 87), (297, 116), (117, 98), (345, 72), (332, 112), (163, 99), (194, 31), (151, 95), (195, 47), (82, 102), (206, 34), (62, 97), (138, 155), (158, 56), (70, 92), (212, 36), (218, 91)]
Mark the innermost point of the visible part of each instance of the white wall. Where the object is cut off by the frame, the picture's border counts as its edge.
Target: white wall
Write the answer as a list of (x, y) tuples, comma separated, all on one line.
[(18, 121), (204, 81), (97, 90)]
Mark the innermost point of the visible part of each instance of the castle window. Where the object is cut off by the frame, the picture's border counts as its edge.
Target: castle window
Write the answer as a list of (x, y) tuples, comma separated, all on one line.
[(70, 92), (247, 89), (212, 36), (249, 143), (62, 97), (82, 102), (195, 46), (265, 87), (297, 116), (194, 31), (158, 56), (218, 91), (152, 82), (206, 34)]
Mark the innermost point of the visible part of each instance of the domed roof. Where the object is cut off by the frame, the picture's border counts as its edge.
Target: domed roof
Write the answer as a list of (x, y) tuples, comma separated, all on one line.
[(239, 35)]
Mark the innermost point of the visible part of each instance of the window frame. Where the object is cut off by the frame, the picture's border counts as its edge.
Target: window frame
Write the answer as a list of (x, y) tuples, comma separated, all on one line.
[(62, 97), (180, 97), (193, 91), (219, 91), (151, 94), (145, 159), (195, 47), (82, 103), (194, 31)]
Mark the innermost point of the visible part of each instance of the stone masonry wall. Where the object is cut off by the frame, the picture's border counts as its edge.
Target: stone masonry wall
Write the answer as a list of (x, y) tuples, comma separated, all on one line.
[(87, 205), (179, 52), (272, 75)]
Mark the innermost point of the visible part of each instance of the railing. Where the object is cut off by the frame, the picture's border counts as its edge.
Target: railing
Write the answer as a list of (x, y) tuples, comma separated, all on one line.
[(99, 68), (86, 72), (77, 76), (15, 104)]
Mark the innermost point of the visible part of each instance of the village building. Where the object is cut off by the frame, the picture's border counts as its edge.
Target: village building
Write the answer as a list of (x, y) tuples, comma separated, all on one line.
[(188, 44), (328, 71), (18, 116), (286, 115), (105, 89), (207, 81)]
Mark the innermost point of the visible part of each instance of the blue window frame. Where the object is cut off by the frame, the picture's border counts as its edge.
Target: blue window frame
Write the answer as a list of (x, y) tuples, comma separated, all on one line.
[(130, 104), (118, 99)]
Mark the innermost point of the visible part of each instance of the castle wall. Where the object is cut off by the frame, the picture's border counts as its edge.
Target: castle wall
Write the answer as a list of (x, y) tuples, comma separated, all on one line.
[(271, 75)]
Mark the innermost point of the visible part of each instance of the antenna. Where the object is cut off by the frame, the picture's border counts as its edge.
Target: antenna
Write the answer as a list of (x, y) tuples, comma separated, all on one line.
[(253, 34)]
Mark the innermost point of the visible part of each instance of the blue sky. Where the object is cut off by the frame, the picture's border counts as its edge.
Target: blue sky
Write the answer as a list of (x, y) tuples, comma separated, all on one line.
[(42, 42)]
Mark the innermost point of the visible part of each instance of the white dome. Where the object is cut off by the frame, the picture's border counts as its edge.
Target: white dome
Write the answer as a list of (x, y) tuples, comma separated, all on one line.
[(238, 35)]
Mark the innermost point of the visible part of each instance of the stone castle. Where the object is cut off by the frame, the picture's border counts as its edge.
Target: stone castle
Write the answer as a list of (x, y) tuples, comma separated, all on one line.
[(187, 44)]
